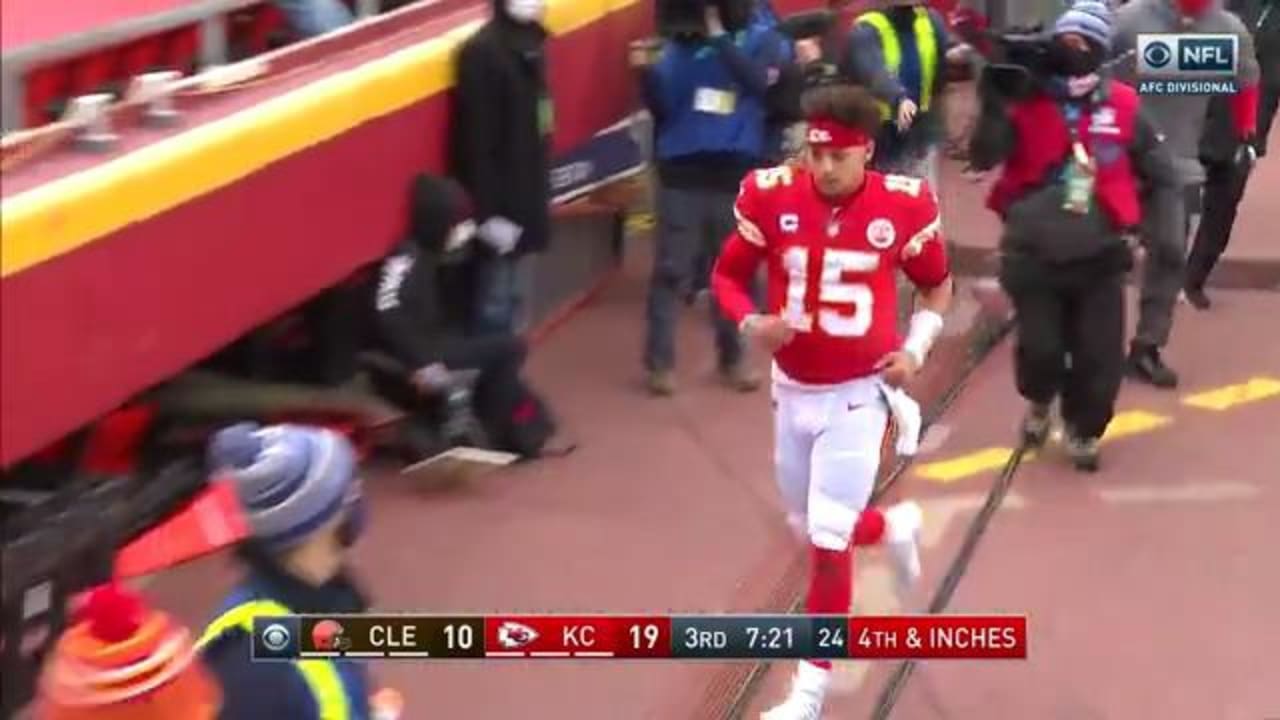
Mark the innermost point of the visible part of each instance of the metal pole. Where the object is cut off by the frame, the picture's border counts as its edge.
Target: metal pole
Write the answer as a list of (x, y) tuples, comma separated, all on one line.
[(213, 41), (13, 97)]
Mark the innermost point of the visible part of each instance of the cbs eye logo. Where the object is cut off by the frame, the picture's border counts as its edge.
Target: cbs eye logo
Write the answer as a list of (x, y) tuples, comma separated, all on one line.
[(276, 637), (1157, 55)]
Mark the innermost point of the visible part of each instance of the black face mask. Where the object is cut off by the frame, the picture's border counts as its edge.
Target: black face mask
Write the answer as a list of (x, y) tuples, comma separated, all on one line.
[(1071, 62)]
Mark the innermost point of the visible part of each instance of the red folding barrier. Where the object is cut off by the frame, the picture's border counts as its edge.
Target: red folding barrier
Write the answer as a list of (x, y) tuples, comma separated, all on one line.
[(45, 86), (90, 73), (141, 56)]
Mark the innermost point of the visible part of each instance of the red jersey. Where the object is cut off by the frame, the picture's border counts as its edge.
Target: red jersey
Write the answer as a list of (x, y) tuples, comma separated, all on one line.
[(831, 266)]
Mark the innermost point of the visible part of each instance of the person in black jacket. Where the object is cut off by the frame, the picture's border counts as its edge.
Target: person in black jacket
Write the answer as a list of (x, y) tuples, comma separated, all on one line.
[(501, 130), (1227, 160), (419, 314)]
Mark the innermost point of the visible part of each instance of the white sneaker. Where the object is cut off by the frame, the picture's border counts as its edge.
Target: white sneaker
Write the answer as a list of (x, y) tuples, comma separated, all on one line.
[(902, 539), (808, 690)]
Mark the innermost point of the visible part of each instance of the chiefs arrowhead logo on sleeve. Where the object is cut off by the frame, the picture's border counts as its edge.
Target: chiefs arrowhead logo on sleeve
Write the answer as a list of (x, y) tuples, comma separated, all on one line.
[(915, 245)]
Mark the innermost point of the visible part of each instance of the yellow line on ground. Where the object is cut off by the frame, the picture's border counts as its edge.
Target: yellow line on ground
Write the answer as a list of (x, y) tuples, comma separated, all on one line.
[(1229, 396), (1131, 422)]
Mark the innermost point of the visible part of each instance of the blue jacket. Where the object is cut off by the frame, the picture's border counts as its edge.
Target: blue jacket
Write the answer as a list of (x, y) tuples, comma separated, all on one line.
[(778, 99), (708, 97), (256, 690)]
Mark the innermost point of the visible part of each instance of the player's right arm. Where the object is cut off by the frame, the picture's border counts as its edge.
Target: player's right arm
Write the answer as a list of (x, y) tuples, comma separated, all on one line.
[(735, 270), (748, 245)]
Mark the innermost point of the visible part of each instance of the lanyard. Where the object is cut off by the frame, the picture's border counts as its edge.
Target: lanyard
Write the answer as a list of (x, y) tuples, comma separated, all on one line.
[(1071, 112)]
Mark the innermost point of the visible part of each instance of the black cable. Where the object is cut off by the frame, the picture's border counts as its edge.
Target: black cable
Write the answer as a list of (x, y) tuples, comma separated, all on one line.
[(959, 566)]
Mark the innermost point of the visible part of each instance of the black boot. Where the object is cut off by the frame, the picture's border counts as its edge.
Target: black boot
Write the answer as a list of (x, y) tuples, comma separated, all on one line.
[(1083, 452), (1197, 297), (1035, 425), (1145, 364)]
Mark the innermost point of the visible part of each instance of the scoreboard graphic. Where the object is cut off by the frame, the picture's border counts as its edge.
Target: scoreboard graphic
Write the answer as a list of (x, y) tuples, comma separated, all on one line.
[(624, 637)]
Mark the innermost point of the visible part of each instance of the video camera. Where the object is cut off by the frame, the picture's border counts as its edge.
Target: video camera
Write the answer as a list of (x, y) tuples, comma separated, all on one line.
[(1019, 62), (686, 19)]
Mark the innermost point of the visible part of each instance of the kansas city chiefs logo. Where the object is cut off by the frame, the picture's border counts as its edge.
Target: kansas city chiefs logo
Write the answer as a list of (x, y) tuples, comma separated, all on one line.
[(818, 136), (512, 635)]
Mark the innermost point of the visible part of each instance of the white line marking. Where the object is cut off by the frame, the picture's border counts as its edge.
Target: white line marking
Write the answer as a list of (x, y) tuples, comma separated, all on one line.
[(409, 654), (504, 654), (549, 653), (364, 654), (592, 653), (1191, 493), (319, 654)]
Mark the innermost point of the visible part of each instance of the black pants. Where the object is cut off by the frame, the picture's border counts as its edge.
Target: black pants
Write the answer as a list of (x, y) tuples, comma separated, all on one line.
[(497, 357), (1070, 338), (1223, 188)]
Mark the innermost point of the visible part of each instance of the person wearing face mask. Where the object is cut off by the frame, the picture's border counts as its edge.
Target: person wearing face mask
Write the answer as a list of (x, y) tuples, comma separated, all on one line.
[(419, 288), (502, 125), (302, 499), (707, 93), (1182, 119), (1078, 156), (1228, 161)]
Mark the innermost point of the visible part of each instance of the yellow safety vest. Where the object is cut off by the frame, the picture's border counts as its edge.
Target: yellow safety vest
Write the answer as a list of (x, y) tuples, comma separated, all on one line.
[(926, 43), (321, 676)]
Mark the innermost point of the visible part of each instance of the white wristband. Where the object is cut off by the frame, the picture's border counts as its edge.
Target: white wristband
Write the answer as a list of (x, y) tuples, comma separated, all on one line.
[(744, 327), (924, 330)]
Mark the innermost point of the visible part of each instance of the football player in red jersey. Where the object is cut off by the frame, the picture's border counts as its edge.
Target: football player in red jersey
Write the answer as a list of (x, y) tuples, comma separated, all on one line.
[(833, 236)]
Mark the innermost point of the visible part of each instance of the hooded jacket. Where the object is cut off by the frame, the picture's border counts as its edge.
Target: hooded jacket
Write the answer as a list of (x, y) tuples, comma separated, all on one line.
[(1180, 117), (502, 126), (417, 296)]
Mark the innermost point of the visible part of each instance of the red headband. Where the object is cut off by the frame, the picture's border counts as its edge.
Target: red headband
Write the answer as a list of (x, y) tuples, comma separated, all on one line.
[(829, 132)]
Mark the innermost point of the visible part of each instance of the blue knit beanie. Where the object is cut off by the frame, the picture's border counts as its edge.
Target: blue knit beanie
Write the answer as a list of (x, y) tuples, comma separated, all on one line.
[(1090, 19), (290, 479)]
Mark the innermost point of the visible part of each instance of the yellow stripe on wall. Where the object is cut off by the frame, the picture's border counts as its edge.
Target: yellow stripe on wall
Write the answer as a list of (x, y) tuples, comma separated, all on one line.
[(64, 214)]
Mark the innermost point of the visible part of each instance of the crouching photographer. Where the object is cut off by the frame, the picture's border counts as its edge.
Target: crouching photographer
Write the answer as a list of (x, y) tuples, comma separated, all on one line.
[(1078, 158), (419, 303)]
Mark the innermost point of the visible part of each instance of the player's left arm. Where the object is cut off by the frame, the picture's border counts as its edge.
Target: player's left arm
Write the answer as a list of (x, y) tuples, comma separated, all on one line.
[(923, 258)]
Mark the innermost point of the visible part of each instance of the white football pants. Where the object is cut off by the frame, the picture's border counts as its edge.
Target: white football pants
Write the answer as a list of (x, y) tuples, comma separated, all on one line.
[(827, 444)]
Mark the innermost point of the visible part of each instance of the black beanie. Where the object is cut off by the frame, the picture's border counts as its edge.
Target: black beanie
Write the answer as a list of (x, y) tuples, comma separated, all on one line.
[(436, 206)]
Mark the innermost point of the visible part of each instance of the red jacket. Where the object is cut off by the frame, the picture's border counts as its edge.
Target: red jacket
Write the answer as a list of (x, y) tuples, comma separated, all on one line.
[(1107, 131)]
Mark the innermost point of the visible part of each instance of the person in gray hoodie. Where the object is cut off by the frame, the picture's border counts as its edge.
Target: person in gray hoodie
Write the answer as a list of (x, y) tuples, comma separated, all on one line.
[(1182, 119)]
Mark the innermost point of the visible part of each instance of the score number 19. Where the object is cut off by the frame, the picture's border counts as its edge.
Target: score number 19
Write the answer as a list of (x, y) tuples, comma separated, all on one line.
[(644, 637)]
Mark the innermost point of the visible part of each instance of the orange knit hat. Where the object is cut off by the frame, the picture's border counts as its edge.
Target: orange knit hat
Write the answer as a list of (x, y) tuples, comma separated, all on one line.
[(122, 660)]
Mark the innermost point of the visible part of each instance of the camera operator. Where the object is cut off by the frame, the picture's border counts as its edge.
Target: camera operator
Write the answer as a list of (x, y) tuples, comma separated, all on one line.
[(1077, 153), (707, 95), (1182, 119)]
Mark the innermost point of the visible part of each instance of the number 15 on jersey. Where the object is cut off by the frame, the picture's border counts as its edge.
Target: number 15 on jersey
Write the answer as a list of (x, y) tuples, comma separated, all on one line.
[(844, 307)]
